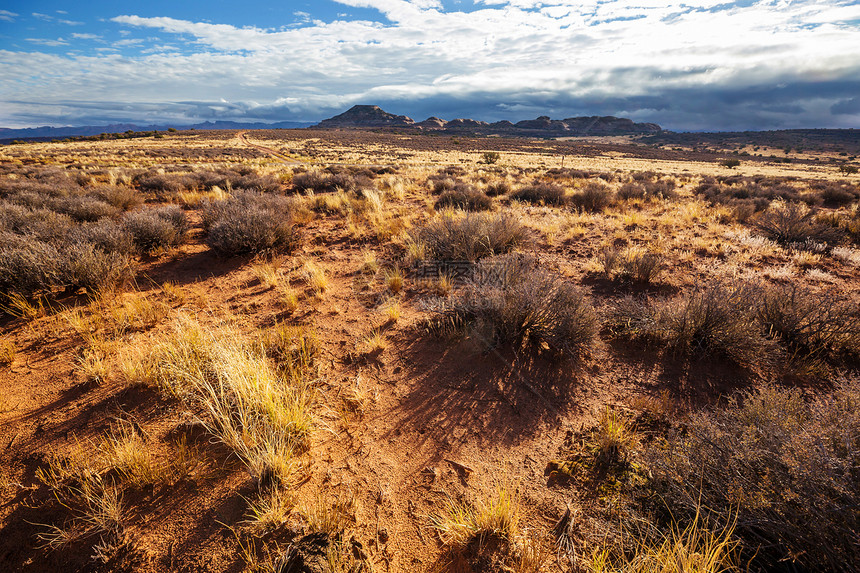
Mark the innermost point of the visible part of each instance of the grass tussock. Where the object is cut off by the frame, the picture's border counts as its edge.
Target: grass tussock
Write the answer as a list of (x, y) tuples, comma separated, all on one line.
[(241, 398)]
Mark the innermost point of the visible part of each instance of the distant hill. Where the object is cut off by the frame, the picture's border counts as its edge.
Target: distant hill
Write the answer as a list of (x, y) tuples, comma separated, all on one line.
[(372, 116), (47, 132)]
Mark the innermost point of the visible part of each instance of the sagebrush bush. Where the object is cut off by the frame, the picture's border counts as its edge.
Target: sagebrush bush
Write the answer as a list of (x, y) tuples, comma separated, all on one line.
[(498, 188), (83, 207), (29, 265), (794, 225), (250, 223), (594, 197), (325, 183), (541, 193), (718, 320), (89, 267), (512, 300), (781, 468), (469, 237), (42, 223), (464, 197), (812, 326), (153, 230), (121, 197)]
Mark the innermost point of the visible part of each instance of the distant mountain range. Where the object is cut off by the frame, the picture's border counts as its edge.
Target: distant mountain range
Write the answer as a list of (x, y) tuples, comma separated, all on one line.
[(47, 132), (371, 116)]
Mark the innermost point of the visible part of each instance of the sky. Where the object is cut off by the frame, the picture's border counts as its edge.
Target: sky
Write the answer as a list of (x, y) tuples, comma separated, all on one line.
[(690, 65)]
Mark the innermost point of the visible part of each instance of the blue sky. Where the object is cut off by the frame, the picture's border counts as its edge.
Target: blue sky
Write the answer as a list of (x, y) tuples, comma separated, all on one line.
[(687, 65)]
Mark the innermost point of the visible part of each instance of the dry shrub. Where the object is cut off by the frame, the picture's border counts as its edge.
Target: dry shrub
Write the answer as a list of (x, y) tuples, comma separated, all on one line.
[(83, 208), (316, 182), (814, 327), (42, 223), (594, 197), (511, 300), (498, 188), (648, 190), (250, 224), (468, 237), (163, 184), (154, 230), (783, 469), (793, 224), (121, 197), (464, 197), (28, 265), (718, 320), (836, 193), (541, 193), (94, 269)]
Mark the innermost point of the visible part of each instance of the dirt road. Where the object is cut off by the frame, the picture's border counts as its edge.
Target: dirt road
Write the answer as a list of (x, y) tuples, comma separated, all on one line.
[(273, 152)]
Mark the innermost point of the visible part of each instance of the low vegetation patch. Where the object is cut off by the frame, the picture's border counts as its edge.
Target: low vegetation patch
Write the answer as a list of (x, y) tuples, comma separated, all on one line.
[(467, 237), (511, 300), (250, 224), (780, 468)]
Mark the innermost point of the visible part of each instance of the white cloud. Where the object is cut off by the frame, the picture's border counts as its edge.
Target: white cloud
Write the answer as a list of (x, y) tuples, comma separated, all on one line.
[(77, 36), (512, 52), (7, 16), (48, 42)]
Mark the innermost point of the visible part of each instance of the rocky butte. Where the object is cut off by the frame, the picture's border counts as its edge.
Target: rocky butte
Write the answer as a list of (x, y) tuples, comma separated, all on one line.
[(372, 116)]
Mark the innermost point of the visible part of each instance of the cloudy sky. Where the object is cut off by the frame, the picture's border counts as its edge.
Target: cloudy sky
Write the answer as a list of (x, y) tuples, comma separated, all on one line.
[(687, 65)]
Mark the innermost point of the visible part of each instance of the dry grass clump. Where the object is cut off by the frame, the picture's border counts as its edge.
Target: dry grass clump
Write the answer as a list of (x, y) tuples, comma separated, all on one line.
[(541, 193), (7, 352), (694, 549), (238, 395), (510, 299), (780, 467), (498, 515), (467, 237), (251, 224), (155, 230), (593, 197), (631, 264)]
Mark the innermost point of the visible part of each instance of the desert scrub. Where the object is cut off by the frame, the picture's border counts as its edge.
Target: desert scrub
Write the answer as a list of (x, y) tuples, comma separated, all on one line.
[(794, 225), (541, 193), (718, 320), (464, 197), (256, 410), (781, 467), (593, 197), (467, 237), (250, 224), (813, 327), (154, 230), (512, 300)]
